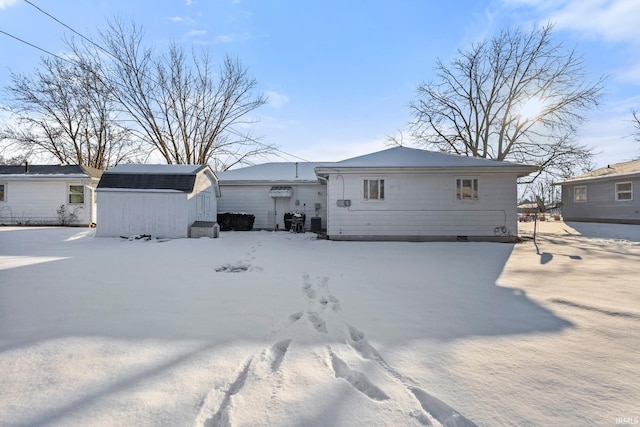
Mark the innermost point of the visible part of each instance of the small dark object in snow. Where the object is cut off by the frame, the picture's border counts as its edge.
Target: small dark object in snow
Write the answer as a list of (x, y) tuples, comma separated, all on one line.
[(146, 237), (228, 268)]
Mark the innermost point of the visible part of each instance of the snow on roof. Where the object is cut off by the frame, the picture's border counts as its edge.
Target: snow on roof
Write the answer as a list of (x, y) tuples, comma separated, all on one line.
[(609, 171), (156, 169), (397, 157), (272, 172), (404, 157)]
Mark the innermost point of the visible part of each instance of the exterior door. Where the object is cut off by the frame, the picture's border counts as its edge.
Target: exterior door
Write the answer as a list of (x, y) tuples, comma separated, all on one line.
[(282, 206), (204, 207)]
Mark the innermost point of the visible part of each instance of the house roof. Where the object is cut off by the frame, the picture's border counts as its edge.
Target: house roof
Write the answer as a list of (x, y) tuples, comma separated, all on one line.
[(151, 177), (290, 172), (616, 170), (412, 158), (48, 171)]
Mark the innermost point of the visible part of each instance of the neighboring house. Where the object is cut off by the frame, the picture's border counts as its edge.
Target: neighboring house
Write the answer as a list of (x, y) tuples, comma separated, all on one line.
[(158, 200), (409, 194), (604, 195), (48, 194), (270, 190)]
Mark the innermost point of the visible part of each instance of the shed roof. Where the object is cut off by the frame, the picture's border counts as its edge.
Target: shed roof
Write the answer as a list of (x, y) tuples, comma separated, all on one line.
[(272, 172), (405, 157), (157, 169), (42, 171), (616, 170), (151, 177)]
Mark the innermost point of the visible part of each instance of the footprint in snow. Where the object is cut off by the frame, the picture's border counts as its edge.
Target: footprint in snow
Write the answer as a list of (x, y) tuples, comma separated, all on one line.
[(294, 317), (322, 288), (221, 417), (439, 410), (357, 379), (317, 322), (275, 354), (272, 356), (309, 291)]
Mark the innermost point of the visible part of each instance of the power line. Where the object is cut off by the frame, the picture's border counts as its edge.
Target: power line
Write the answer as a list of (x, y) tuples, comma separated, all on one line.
[(38, 47), (70, 28), (230, 130)]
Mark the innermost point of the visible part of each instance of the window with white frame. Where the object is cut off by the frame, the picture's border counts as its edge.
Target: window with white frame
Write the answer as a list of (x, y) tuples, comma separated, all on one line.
[(624, 191), (580, 193), (3, 192), (466, 188), (76, 194), (373, 189)]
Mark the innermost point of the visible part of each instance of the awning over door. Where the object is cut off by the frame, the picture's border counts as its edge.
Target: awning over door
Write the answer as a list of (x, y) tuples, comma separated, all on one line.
[(280, 192)]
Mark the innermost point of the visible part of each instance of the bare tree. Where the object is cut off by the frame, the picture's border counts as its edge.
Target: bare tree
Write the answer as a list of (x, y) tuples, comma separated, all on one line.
[(65, 110), (189, 111), (520, 96)]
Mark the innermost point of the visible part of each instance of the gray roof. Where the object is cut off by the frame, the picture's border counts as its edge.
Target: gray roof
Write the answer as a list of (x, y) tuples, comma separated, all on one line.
[(46, 171), (404, 157), (616, 170), (157, 169), (290, 172), (151, 177)]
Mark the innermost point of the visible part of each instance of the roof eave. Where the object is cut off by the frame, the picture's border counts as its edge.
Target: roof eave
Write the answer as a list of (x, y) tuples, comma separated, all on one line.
[(521, 170), (266, 182), (598, 178), (15, 177)]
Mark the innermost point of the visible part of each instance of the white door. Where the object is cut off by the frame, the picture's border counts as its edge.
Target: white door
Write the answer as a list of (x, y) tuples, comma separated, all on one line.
[(204, 207), (282, 207)]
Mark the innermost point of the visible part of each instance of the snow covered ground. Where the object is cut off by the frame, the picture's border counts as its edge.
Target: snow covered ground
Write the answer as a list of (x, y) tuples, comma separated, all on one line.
[(279, 329)]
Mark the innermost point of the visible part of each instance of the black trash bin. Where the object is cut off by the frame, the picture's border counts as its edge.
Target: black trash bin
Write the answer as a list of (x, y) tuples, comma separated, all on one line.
[(316, 224)]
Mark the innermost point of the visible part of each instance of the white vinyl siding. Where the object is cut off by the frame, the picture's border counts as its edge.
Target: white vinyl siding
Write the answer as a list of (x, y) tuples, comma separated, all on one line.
[(133, 213), (35, 202), (420, 205), (580, 193), (624, 191), (159, 213), (269, 211)]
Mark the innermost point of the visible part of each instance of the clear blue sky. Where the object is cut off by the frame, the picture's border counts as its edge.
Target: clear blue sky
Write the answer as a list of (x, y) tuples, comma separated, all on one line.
[(340, 74)]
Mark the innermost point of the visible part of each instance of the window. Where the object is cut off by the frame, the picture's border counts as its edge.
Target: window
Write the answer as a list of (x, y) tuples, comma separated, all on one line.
[(76, 194), (467, 189), (624, 191), (373, 189), (580, 193), (3, 193)]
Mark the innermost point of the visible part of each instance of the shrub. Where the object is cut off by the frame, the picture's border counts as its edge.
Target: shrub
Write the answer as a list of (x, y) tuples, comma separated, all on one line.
[(65, 217)]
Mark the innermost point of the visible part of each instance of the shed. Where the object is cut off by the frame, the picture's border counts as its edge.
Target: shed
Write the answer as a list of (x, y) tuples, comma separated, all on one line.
[(410, 194), (270, 190), (48, 194), (603, 195), (158, 200)]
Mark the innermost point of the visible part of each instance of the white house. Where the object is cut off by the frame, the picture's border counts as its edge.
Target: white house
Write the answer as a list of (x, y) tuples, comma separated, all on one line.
[(409, 194), (158, 200), (48, 194), (603, 195), (270, 190)]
